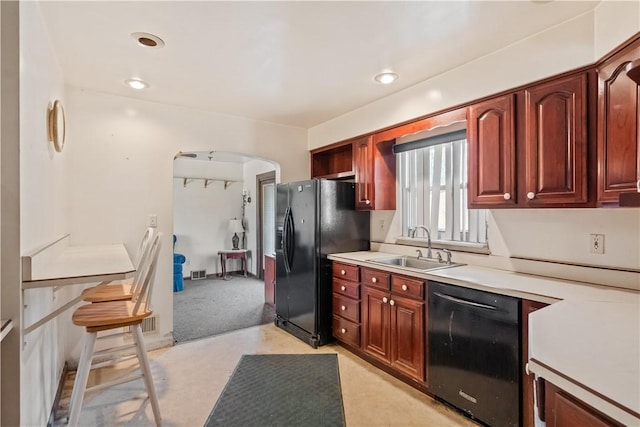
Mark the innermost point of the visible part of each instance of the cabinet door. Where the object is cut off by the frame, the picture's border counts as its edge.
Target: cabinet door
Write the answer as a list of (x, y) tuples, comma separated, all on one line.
[(270, 280), (492, 155), (564, 410), (555, 137), (407, 336), (618, 127), (363, 153), (375, 324)]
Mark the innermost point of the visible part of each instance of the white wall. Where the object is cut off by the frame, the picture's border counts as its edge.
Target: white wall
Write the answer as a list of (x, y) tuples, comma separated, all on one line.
[(615, 22), (201, 215), (561, 48), (43, 210), (121, 170), (547, 234)]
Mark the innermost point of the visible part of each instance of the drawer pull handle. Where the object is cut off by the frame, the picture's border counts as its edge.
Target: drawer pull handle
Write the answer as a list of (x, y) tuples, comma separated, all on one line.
[(392, 302), (384, 300), (404, 287), (374, 280), (343, 272), (526, 369), (343, 330), (343, 288), (343, 308)]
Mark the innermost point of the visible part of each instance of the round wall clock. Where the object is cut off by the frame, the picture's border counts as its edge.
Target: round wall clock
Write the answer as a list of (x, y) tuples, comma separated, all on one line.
[(56, 125)]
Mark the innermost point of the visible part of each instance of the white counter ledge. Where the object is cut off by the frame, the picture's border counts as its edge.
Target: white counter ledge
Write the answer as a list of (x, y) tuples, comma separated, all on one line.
[(535, 288), (591, 349), (587, 342)]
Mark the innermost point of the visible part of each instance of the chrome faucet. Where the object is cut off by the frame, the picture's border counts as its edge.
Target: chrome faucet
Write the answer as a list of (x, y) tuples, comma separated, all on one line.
[(447, 253), (413, 235)]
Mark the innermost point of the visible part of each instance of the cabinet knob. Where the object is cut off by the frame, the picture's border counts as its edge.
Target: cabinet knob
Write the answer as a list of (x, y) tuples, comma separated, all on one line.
[(374, 280), (367, 202), (343, 272), (343, 288), (531, 195), (404, 287), (392, 302), (343, 330), (507, 196), (638, 186), (384, 300), (343, 308)]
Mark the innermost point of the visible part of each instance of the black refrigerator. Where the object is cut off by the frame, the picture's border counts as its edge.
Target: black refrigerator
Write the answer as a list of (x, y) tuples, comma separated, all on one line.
[(313, 219)]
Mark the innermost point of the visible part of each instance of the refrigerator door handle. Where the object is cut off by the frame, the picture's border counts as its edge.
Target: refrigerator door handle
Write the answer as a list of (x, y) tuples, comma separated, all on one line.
[(285, 240), (290, 240)]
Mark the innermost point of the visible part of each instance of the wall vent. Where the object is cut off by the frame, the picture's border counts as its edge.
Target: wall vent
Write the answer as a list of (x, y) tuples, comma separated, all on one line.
[(198, 274), (149, 324)]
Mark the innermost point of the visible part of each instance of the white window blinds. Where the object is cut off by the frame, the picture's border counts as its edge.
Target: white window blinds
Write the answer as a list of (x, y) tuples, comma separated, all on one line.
[(433, 192)]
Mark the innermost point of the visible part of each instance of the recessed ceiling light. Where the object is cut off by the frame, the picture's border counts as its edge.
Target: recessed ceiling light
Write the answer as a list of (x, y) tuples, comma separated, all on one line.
[(386, 77), (148, 40), (137, 84)]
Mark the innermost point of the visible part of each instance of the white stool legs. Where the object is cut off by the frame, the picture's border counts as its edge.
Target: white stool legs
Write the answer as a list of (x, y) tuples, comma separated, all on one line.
[(82, 375), (84, 366), (146, 372)]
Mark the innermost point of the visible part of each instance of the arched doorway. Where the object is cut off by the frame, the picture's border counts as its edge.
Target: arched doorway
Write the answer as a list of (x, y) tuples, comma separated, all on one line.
[(215, 193)]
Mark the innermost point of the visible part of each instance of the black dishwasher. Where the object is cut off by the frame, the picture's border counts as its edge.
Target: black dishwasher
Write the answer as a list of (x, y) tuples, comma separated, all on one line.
[(474, 352)]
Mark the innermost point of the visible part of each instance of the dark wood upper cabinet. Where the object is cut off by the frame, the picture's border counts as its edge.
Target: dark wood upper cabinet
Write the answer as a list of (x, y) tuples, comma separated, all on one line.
[(333, 162), (618, 126), (555, 142), (365, 197), (375, 171), (492, 154)]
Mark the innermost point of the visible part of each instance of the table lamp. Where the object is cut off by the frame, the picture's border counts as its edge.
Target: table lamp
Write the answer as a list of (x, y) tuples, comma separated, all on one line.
[(235, 226)]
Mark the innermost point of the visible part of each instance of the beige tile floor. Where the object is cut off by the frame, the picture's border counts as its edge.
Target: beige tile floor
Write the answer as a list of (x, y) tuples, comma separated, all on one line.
[(190, 377)]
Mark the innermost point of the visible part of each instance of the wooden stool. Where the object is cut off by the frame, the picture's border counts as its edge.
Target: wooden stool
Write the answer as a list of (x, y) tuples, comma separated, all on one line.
[(111, 315), (121, 291)]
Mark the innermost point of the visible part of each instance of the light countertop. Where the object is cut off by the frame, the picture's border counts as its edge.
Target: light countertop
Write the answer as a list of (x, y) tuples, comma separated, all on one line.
[(587, 342)]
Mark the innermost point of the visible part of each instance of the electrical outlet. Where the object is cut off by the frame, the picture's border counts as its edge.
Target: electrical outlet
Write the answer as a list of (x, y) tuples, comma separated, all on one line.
[(153, 221), (596, 243)]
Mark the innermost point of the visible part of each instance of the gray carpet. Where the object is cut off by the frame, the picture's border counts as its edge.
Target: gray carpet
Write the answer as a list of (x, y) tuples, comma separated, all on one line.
[(215, 306), (281, 390)]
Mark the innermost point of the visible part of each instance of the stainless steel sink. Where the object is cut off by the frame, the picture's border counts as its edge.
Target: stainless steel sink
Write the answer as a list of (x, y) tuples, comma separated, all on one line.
[(414, 263)]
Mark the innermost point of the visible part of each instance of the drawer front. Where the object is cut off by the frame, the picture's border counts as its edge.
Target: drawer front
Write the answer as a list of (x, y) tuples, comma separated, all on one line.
[(349, 289), (346, 331), (346, 307), (375, 278), (345, 271), (408, 287)]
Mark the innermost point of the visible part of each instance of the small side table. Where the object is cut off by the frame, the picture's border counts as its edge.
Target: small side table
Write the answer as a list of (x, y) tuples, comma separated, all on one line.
[(233, 254)]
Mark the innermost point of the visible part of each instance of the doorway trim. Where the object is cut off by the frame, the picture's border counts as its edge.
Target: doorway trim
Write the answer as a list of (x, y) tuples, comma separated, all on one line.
[(261, 179)]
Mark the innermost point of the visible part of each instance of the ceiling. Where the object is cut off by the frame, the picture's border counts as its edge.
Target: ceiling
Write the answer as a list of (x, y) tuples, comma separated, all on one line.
[(293, 63)]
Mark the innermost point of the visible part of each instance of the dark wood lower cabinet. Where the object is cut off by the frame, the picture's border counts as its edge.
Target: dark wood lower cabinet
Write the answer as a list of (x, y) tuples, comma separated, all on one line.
[(393, 331), (376, 322), (270, 280), (564, 410), (407, 336)]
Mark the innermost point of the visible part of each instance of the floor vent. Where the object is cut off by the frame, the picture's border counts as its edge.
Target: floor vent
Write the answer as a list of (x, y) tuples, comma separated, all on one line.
[(148, 324), (198, 274)]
